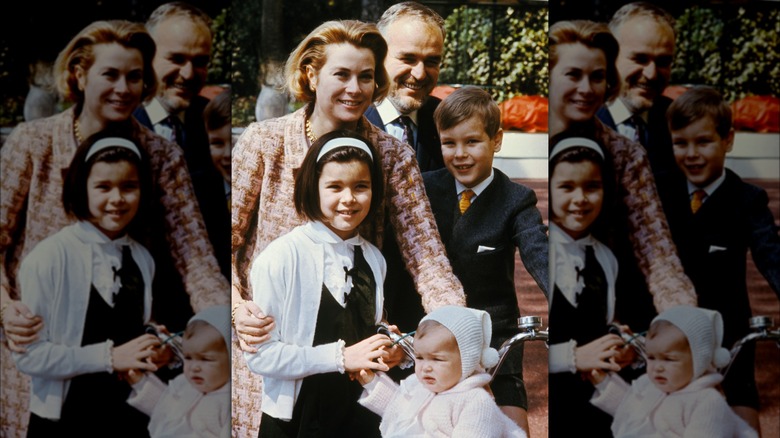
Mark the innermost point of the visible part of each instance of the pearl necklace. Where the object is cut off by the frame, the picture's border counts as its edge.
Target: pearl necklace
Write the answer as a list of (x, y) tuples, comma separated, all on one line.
[(310, 134), (77, 132)]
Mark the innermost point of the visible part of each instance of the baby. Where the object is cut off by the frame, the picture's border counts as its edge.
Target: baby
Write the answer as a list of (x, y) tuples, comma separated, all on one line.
[(677, 396), (197, 402), (446, 396)]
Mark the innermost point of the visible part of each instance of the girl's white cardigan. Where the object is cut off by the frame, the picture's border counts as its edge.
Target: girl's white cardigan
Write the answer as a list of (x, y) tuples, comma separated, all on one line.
[(287, 279), (55, 282)]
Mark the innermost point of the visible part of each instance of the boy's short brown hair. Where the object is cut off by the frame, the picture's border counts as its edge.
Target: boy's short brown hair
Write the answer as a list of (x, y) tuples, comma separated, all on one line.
[(699, 102), (465, 103)]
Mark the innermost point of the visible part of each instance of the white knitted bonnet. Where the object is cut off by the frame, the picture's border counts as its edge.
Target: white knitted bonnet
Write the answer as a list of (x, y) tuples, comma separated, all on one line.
[(704, 330), (219, 318), (472, 330)]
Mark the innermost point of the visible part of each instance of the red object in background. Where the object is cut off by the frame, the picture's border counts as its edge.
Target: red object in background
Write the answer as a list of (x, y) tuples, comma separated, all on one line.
[(525, 113), (757, 114), (673, 91), (211, 91), (442, 91)]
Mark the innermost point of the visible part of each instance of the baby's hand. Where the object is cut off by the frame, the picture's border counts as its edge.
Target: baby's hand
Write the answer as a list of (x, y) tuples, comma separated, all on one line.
[(596, 376), (365, 377), (134, 376)]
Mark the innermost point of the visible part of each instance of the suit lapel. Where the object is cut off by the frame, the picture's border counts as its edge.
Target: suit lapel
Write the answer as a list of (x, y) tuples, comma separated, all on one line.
[(606, 118), (373, 116)]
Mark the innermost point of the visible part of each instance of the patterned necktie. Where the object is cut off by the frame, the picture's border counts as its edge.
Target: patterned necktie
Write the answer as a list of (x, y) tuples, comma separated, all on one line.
[(465, 200), (408, 136), (697, 199), (641, 130), (177, 129)]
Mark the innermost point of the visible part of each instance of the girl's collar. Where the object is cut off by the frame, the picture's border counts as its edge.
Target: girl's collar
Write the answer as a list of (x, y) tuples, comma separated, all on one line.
[(321, 233), (91, 234), (558, 235)]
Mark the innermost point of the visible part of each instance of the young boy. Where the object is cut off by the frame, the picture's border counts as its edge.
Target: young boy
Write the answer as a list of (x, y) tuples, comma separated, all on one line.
[(446, 396), (197, 402), (482, 217), (715, 218), (216, 116), (677, 396)]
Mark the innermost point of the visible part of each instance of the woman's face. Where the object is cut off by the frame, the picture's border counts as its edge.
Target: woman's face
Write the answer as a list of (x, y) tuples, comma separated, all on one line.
[(578, 83), (344, 85), (114, 84)]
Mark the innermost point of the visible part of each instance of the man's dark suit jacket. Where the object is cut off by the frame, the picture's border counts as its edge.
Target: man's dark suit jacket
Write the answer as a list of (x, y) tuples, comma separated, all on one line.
[(402, 302), (659, 140), (209, 189), (428, 147), (504, 216), (634, 303), (713, 245)]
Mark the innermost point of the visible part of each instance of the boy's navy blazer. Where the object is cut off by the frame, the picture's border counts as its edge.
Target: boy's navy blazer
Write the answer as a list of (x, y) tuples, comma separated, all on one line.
[(713, 244), (428, 149), (504, 216), (659, 140)]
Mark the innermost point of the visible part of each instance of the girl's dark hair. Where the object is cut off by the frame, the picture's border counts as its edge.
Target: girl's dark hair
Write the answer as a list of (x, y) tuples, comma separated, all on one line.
[(74, 189), (579, 154), (306, 196)]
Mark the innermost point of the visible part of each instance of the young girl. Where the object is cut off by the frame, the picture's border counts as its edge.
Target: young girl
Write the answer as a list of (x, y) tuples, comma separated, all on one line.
[(322, 282), (91, 285), (583, 271)]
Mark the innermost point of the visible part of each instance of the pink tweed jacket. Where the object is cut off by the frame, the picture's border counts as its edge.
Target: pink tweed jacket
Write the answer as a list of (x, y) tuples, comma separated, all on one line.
[(266, 158), (33, 160), (265, 161), (649, 232)]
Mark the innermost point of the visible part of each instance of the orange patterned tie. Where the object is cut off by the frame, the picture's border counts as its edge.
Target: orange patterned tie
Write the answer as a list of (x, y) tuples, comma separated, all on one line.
[(465, 200), (696, 200)]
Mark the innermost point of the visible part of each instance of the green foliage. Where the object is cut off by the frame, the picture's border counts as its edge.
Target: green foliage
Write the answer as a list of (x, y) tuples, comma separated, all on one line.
[(736, 50), (219, 69), (244, 36), (11, 110), (243, 110), (520, 54)]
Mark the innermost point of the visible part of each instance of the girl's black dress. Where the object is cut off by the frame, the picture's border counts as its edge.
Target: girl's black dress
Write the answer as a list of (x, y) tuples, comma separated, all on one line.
[(97, 399), (570, 411), (327, 404)]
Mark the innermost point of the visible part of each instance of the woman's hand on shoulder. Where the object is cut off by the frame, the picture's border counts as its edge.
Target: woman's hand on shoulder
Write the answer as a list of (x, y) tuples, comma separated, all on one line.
[(252, 326), (20, 325)]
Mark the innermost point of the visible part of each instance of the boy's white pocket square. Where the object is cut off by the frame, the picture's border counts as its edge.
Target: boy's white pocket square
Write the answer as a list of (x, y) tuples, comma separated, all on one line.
[(482, 249), (715, 248)]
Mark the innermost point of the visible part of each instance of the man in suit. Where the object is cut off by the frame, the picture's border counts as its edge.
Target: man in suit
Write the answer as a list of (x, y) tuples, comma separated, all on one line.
[(483, 217), (646, 36), (182, 34), (415, 42)]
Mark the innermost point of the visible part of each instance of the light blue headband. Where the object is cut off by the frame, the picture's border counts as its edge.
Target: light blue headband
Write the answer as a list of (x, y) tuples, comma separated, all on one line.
[(341, 142), (573, 142), (110, 142)]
